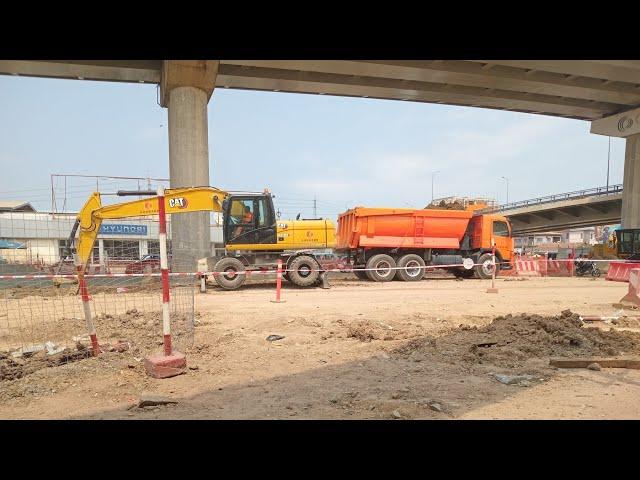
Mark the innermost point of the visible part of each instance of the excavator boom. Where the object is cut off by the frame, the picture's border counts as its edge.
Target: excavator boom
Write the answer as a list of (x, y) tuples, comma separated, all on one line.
[(177, 200)]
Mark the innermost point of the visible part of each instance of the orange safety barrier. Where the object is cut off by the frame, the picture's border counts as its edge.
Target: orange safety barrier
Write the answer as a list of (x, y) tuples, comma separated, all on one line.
[(619, 271), (557, 268), (527, 267), (633, 296)]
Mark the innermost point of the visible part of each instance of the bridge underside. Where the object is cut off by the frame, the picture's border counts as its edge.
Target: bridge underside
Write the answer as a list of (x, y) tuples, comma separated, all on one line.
[(585, 212), (585, 90)]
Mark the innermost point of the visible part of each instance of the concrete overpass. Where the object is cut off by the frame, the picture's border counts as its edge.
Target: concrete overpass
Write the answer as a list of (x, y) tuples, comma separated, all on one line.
[(582, 208), (605, 92)]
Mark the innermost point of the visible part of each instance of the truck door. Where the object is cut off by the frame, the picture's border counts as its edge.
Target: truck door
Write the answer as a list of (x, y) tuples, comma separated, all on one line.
[(502, 237)]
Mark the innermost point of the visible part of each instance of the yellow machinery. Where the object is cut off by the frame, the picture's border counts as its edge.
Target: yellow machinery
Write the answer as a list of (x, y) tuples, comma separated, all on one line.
[(254, 239)]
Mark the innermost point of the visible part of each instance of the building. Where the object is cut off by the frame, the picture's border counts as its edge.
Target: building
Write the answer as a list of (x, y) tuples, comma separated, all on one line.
[(44, 237)]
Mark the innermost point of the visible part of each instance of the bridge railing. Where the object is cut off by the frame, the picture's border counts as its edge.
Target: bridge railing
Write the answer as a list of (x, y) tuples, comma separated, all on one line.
[(589, 192)]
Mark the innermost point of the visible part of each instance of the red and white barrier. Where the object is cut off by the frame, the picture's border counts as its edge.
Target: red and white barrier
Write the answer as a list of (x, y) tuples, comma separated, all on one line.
[(633, 295), (620, 271), (278, 283), (170, 363), (527, 267), (493, 288), (86, 306)]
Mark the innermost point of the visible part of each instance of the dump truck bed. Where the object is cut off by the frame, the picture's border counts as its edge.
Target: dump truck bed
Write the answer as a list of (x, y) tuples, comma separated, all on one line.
[(401, 227)]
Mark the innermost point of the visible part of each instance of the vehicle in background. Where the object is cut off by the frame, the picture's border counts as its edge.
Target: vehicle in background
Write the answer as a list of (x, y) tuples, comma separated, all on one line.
[(399, 242), (147, 264), (586, 267), (627, 243)]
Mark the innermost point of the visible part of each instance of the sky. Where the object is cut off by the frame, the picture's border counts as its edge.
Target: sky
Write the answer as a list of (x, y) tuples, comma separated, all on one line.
[(342, 152)]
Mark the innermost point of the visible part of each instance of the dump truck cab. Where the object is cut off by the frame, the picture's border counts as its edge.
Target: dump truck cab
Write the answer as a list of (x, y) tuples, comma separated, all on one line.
[(488, 229)]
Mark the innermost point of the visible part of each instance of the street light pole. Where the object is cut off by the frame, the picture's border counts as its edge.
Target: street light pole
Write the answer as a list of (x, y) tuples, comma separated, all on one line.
[(433, 174), (507, 180), (608, 160)]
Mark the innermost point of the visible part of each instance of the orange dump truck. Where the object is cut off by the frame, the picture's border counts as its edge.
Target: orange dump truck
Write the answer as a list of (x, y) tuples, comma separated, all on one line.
[(383, 238)]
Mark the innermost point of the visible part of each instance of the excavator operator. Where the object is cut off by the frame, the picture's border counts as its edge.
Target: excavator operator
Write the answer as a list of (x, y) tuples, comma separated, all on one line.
[(247, 219)]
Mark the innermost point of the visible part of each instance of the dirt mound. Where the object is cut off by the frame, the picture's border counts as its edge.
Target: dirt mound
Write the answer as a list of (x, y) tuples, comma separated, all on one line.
[(442, 205), (366, 331), (14, 368), (627, 322), (511, 341)]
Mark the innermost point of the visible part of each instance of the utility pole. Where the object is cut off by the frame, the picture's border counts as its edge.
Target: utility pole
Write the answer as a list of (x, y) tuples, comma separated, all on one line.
[(608, 160), (433, 174), (315, 210), (507, 180)]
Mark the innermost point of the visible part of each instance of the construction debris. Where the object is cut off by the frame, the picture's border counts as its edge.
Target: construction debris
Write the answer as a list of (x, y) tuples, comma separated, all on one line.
[(520, 380), (273, 338), (151, 399), (632, 363)]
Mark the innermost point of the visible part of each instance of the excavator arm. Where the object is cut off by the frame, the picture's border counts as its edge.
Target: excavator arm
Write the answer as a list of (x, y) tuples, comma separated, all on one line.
[(177, 200)]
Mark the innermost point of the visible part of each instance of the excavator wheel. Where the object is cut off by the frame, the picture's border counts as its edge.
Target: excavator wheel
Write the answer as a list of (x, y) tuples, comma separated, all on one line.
[(304, 271), (414, 265), (228, 269), (382, 266)]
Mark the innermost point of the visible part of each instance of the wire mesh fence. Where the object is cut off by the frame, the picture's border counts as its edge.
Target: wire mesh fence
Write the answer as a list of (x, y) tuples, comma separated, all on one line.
[(42, 320)]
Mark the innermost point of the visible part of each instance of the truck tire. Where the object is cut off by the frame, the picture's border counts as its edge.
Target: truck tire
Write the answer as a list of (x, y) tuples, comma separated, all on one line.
[(361, 275), (228, 277), (384, 268), (304, 271), (484, 270), (414, 265)]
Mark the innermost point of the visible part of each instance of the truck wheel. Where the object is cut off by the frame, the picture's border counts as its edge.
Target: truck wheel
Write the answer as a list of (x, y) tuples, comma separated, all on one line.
[(304, 271), (228, 276), (414, 265), (485, 269), (383, 268), (361, 275)]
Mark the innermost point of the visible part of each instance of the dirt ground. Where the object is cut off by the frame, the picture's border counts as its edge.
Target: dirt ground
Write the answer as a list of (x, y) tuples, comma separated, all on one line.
[(360, 350)]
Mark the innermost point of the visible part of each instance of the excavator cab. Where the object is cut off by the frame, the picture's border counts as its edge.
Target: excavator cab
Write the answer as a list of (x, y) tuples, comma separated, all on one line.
[(249, 219), (628, 243)]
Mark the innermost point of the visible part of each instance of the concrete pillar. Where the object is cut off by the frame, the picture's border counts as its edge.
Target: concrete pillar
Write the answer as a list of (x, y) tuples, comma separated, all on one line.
[(189, 167), (186, 87), (631, 183)]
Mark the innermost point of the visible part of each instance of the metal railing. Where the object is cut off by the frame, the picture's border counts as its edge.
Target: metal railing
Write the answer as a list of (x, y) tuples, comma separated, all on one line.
[(589, 192)]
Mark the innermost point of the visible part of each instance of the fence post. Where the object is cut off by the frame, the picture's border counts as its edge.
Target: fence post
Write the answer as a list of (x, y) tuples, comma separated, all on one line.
[(493, 288), (171, 362), (278, 283), (84, 293)]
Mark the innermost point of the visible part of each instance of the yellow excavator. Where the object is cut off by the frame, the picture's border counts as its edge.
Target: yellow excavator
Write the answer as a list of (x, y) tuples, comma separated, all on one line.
[(253, 238)]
